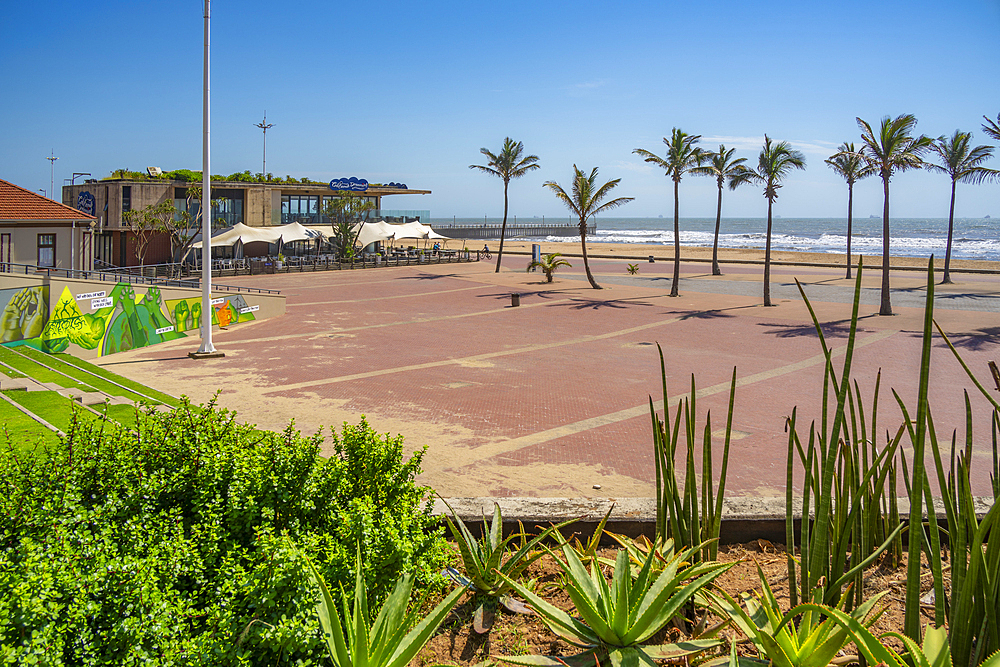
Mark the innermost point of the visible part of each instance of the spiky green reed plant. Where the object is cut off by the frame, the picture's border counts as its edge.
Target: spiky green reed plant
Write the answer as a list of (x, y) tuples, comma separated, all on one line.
[(679, 516), (490, 564), (849, 483), (617, 619), (395, 636), (971, 605)]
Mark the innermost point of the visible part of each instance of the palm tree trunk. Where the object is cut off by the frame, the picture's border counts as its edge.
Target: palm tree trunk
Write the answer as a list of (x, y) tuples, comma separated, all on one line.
[(951, 229), (767, 258), (716, 271), (586, 262), (503, 227), (674, 291), (886, 306), (850, 213)]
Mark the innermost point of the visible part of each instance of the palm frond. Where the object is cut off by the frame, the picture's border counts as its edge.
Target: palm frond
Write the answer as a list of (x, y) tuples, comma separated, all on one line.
[(960, 161), (509, 163), (850, 164), (992, 128)]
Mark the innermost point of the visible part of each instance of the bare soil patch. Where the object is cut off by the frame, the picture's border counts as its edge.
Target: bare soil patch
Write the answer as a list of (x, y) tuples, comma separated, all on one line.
[(515, 634)]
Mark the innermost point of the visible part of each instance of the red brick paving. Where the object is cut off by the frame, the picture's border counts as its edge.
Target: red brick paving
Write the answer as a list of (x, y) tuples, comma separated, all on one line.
[(502, 396)]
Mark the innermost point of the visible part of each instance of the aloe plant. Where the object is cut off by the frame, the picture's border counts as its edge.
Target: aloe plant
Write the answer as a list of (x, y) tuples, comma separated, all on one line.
[(489, 572), (395, 636), (617, 619), (587, 551), (817, 639)]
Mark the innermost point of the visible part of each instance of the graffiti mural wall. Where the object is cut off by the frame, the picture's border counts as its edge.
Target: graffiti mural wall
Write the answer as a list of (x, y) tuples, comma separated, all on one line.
[(105, 322)]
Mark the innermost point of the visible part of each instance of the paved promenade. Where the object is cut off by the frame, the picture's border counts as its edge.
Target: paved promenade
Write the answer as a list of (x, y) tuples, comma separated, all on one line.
[(551, 398)]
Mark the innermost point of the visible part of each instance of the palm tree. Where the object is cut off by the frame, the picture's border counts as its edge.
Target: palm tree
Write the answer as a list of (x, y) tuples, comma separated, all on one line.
[(506, 165), (991, 127), (892, 149), (548, 264), (964, 165), (849, 164), (773, 164), (585, 203), (682, 156), (721, 165)]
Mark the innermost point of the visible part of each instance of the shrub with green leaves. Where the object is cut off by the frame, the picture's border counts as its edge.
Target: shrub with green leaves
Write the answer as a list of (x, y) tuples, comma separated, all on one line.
[(166, 545)]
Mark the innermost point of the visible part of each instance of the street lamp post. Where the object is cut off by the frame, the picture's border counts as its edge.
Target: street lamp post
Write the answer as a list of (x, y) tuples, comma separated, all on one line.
[(265, 126), (52, 173)]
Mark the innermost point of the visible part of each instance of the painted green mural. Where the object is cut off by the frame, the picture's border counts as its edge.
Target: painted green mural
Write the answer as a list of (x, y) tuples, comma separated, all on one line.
[(25, 313), (118, 321)]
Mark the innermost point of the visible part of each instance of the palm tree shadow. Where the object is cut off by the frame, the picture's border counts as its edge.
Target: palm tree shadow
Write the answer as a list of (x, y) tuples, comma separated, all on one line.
[(981, 339), (598, 304), (544, 294), (715, 313), (430, 276), (838, 329)]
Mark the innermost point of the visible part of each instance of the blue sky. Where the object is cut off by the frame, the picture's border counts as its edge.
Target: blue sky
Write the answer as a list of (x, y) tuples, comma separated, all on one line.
[(409, 92)]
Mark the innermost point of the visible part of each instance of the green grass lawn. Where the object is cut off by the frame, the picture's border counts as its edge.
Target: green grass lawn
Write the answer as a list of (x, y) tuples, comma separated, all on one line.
[(166, 399), (58, 410), (25, 365), (23, 431), (6, 372), (78, 368)]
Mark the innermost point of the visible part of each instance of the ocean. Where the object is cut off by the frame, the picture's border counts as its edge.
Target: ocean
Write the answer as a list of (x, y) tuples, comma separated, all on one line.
[(974, 238)]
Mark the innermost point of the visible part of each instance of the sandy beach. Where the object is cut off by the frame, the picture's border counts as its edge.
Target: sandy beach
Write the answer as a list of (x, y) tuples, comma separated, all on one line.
[(639, 251)]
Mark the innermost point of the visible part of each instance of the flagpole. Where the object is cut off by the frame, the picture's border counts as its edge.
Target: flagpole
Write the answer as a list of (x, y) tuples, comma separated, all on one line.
[(207, 350)]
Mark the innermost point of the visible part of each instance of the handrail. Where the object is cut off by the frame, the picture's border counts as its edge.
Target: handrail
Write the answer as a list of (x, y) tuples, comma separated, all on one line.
[(125, 277)]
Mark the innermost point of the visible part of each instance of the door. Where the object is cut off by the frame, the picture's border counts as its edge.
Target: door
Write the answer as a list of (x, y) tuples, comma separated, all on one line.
[(5, 253)]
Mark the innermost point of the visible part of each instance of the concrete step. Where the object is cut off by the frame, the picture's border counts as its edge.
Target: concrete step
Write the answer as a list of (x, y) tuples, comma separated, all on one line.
[(19, 384), (120, 400)]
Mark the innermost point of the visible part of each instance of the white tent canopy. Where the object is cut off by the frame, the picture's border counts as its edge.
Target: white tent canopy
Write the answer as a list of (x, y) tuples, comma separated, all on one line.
[(240, 233), (295, 231), (372, 232), (415, 230)]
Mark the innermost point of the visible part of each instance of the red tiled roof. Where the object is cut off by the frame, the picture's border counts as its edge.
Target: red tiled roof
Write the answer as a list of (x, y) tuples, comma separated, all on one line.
[(16, 203)]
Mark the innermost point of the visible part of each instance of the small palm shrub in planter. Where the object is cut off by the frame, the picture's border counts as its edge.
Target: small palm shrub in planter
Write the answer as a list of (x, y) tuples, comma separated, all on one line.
[(548, 264)]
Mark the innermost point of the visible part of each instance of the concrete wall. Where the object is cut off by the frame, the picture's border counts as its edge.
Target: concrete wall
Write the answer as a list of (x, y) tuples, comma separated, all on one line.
[(91, 318)]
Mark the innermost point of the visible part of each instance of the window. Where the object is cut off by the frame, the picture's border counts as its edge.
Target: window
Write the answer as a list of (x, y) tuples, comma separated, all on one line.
[(300, 208), (47, 250), (126, 198), (227, 206)]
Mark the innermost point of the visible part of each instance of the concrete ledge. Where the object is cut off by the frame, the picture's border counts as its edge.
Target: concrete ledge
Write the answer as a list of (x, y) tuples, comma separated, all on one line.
[(760, 262), (743, 519)]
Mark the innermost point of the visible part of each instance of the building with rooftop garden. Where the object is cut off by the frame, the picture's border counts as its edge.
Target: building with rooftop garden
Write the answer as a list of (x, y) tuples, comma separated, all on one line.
[(252, 200)]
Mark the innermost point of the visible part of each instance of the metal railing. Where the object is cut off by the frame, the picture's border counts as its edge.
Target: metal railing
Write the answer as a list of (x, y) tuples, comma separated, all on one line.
[(129, 275)]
